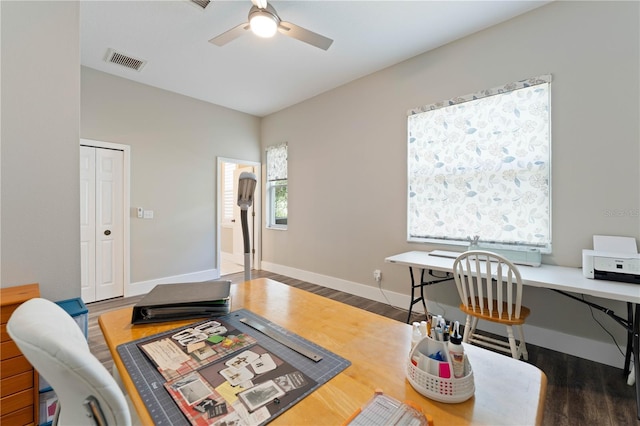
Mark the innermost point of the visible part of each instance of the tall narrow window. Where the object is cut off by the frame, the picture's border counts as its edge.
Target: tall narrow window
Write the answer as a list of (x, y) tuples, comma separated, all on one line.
[(277, 193), (228, 202), (480, 165)]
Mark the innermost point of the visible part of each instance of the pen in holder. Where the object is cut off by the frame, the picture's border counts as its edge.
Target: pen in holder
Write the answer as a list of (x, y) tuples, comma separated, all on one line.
[(432, 375)]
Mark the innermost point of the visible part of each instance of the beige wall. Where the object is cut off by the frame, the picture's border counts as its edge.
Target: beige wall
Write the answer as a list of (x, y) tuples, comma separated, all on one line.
[(347, 150), (226, 240), (40, 192), (175, 142)]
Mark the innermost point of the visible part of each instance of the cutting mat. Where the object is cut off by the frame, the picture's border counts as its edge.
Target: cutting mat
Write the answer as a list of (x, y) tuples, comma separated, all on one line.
[(162, 408)]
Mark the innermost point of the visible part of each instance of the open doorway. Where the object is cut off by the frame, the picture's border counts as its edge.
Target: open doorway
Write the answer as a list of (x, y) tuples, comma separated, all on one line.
[(230, 247)]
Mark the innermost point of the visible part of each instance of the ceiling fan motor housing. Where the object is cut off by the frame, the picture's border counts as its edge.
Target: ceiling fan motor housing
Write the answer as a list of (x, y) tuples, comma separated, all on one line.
[(264, 22)]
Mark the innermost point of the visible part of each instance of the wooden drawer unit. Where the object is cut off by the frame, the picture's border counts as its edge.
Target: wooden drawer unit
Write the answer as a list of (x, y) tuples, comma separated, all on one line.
[(16, 383), (18, 379)]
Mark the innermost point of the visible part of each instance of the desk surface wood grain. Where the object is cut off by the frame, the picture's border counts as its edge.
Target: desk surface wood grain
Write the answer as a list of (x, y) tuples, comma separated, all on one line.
[(507, 391)]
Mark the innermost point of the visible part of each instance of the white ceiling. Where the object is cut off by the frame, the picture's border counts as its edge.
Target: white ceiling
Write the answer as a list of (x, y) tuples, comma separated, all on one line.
[(262, 76)]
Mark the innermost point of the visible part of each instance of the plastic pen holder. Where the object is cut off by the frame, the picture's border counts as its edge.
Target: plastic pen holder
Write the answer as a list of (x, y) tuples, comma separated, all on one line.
[(434, 379)]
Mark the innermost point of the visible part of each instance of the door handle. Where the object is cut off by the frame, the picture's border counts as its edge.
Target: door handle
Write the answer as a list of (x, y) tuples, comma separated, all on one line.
[(107, 232), (233, 220)]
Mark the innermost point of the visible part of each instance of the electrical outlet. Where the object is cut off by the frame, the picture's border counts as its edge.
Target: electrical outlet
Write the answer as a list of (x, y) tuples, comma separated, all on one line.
[(377, 275)]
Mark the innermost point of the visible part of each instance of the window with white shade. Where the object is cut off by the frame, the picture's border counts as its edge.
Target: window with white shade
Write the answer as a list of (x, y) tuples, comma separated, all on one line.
[(276, 187), (480, 165)]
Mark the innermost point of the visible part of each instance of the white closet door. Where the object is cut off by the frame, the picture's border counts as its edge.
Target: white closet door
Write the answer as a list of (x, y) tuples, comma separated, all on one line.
[(109, 223), (102, 272), (88, 223)]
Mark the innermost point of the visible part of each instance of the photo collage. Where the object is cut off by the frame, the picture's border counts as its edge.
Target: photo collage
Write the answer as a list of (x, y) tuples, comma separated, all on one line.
[(220, 376)]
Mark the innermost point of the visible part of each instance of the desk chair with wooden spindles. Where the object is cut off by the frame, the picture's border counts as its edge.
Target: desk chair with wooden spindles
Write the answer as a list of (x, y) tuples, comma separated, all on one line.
[(490, 288)]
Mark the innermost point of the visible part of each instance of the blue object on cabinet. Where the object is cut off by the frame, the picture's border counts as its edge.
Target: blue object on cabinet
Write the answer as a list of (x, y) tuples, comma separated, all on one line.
[(78, 311)]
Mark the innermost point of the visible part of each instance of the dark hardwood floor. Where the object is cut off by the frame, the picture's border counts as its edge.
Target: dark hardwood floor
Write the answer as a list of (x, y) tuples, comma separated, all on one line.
[(579, 392)]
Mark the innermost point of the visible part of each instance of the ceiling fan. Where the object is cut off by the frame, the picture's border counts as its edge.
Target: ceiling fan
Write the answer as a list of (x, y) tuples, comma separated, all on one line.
[(264, 22)]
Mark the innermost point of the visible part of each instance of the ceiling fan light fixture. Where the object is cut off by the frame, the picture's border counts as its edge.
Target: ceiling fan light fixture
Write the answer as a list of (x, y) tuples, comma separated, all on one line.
[(263, 24)]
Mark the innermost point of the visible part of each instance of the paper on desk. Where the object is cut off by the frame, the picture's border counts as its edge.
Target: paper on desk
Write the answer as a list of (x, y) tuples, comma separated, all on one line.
[(166, 354), (612, 244)]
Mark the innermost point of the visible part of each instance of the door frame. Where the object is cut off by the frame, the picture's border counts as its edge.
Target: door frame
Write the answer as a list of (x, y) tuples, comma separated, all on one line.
[(126, 205), (257, 208)]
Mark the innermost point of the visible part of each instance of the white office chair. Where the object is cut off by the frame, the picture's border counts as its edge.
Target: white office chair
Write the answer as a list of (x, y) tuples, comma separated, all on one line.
[(56, 347), (490, 288)]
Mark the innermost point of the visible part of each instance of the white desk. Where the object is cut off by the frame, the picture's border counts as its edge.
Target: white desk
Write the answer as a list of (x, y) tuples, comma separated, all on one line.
[(546, 276), (559, 278)]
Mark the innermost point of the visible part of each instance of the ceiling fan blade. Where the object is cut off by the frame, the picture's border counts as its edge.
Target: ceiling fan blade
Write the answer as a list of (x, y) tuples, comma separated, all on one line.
[(230, 35), (302, 34)]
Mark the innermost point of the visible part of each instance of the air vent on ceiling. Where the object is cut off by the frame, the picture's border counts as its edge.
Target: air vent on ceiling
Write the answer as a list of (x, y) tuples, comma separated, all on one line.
[(200, 3), (124, 60)]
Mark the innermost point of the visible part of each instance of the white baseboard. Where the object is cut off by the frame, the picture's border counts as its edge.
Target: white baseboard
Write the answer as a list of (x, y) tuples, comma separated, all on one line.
[(143, 287), (230, 257), (226, 256), (593, 350)]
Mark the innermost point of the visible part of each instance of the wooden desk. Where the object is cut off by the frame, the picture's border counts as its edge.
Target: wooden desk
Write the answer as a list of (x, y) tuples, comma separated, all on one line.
[(558, 278), (507, 391)]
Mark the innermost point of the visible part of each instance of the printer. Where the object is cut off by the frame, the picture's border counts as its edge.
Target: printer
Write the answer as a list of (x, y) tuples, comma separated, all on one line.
[(612, 266)]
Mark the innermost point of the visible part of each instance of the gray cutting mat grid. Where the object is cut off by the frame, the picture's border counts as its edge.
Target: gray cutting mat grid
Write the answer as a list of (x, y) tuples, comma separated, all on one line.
[(164, 411)]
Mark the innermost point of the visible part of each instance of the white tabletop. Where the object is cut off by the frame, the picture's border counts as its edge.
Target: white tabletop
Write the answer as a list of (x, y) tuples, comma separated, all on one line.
[(546, 276)]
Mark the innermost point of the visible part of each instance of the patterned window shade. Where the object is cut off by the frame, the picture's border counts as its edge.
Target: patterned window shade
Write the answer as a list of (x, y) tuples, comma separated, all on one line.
[(481, 165), (277, 162)]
